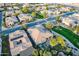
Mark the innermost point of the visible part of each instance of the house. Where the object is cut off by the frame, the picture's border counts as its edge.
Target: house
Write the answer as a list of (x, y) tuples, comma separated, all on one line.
[(24, 18), (40, 8), (26, 5), (1, 4), (69, 22), (51, 6), (56, 12), (76, 15), (7, 4), (39, 34), (16, 8), (9, 8), (9, 13), (19, 42), (40, 4), (10, 21), (18, 11), (51, 13), (14, 4), (66, 21), (65, 8)]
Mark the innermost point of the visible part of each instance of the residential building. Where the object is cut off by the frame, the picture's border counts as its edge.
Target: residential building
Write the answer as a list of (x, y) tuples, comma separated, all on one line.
[(57, 12), (9, 8), (9, 13), (19, 42), (65, 8), (69, 22), (10, 21), (26, 5), (1, 4), (39, 34), (18, 11), (7, 4), (24, 18), (76, 15), (16, 8), (40, 8)]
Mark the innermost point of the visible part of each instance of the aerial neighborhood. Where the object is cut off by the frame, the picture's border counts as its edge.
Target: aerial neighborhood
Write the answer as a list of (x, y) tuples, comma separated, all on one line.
[(39, 29)]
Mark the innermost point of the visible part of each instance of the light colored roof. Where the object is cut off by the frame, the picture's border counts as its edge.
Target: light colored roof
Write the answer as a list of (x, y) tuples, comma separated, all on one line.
[(39, 36), (15, 49)]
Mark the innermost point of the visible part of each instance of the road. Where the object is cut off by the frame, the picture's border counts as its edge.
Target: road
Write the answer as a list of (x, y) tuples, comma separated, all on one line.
[(0, 21), (33, 23), (0, 30)]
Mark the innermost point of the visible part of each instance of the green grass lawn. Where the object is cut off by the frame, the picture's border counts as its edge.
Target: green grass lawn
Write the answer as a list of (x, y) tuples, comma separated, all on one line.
[(72, 37), (5, 46), (39, 16)]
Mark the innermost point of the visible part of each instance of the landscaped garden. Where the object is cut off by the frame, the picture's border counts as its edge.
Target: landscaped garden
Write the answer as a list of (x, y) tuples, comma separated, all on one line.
[(72, 37), (5, 46)]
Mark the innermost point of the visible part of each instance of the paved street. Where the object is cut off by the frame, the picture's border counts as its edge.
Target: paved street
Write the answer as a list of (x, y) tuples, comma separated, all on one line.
[(34, 23), (0, 21)]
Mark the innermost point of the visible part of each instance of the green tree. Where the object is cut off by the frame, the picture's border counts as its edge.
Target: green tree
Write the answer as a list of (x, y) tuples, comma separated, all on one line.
[(46, 6), (49, 25), (24, 9), (16, 14), (54, 52), (44, 14), (58, 19), (41, 52), (72, 9), (35, 52), (77, 29), (47, 53), (24, 26), (33, 14)]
